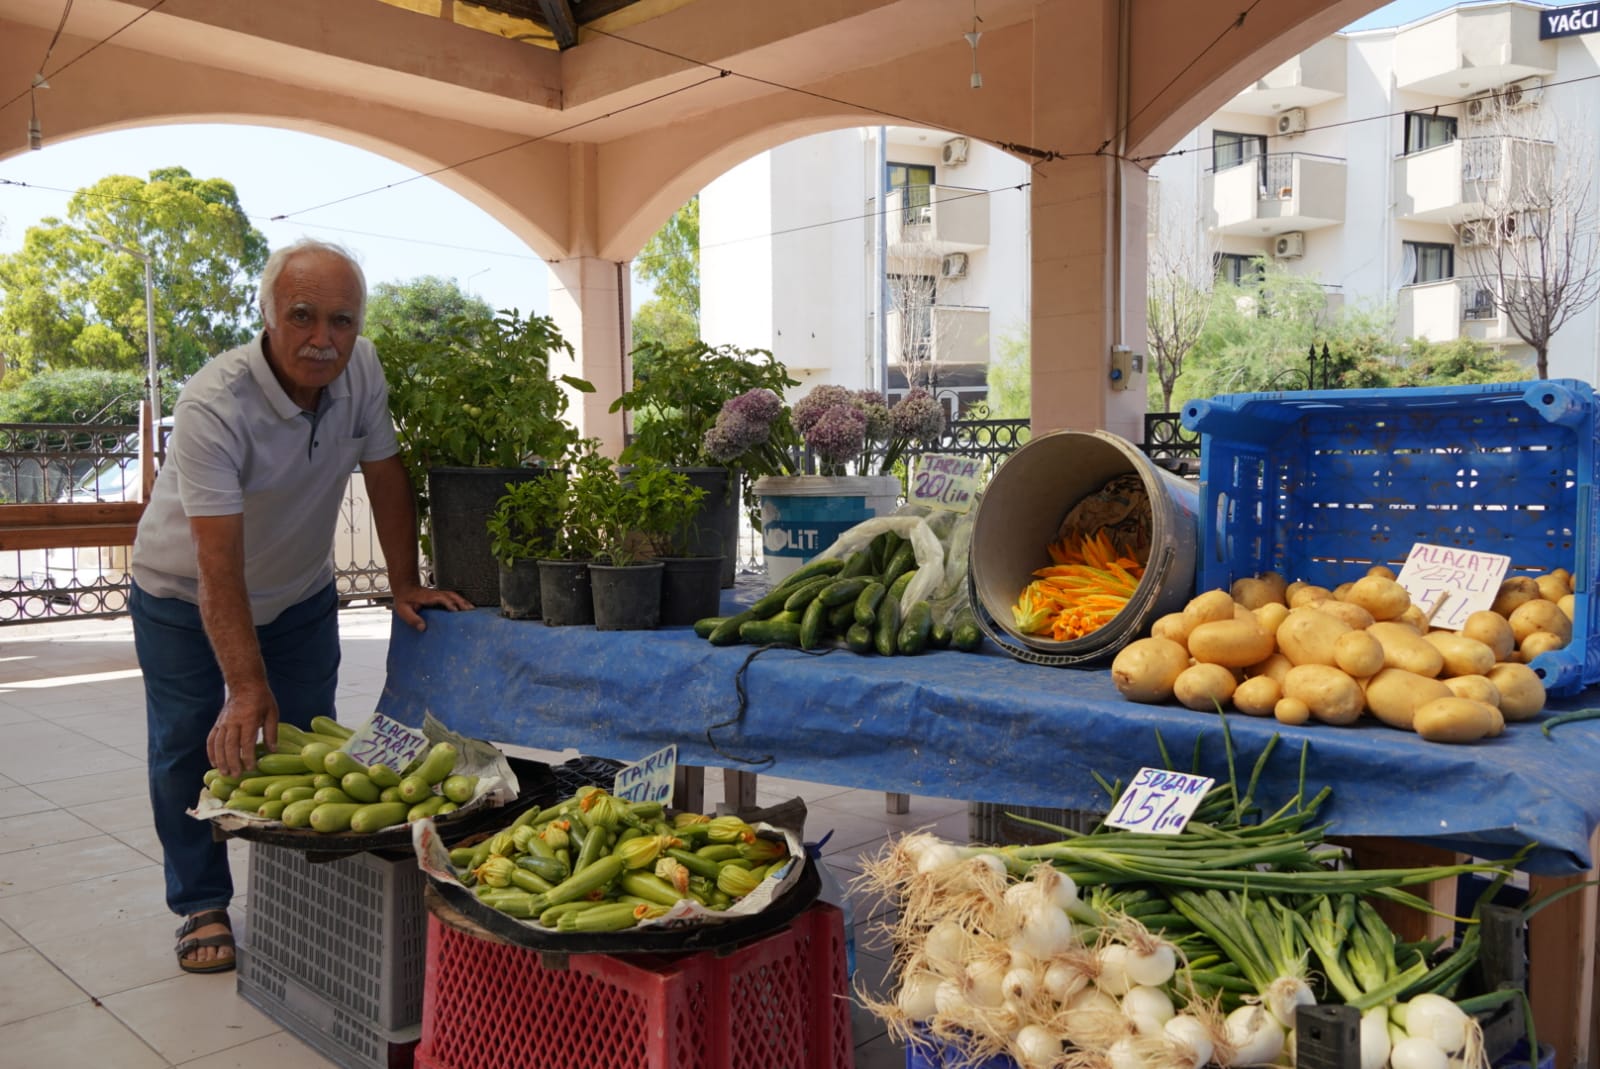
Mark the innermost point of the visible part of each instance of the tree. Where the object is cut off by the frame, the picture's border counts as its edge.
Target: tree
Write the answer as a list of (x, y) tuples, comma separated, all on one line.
[(659, 325), (1533, 248), (1010, 377), (69, 301), (79, 395), (670, 262), (1461, 362), (1177, 301), (421, 308)]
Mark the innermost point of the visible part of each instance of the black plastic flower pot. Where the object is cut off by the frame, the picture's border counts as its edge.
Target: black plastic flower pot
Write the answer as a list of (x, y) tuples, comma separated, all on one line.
[(714, 531), (459, 503), (691, 589), (627, 597), (519, 589), (565, 599)]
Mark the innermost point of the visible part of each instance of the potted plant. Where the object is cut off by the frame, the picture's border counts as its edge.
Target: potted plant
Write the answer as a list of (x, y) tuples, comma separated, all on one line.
[(675, 401), (475, 409), (564, 496), (521, 530)]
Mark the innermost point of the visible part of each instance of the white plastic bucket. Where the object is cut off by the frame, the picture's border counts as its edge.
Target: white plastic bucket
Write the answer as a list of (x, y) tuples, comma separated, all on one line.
[(802, 515)]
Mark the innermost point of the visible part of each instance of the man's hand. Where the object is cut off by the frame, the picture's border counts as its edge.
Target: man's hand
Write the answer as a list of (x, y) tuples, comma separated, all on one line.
[(409, 600), (231, 746)]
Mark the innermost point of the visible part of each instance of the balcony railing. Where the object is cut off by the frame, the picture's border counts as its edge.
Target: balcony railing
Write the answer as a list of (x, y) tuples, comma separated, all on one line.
[(933, 221), (1277, 193), (1468, 177)]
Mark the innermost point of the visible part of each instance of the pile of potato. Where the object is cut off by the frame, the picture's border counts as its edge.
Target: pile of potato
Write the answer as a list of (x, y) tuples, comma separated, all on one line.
[(1300, 652)]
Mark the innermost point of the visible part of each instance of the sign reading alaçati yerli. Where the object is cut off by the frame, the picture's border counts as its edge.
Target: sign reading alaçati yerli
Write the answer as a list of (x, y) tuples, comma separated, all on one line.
[(1159, 802), (381, 740), (945, 482), (650, 779), (1569, 21), (1465, 579)]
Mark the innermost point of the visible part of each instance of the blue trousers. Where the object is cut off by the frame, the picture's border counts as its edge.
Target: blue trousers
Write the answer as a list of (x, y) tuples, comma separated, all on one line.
[(184, 692)]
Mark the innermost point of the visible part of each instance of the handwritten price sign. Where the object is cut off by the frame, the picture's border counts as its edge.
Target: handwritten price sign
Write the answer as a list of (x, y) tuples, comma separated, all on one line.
[(946, 482), (385, 740), (1463, 579), (1159, 802), (649, 780)]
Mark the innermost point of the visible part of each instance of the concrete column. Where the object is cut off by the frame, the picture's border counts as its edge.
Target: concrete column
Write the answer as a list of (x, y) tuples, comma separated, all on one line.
[(590, 300)]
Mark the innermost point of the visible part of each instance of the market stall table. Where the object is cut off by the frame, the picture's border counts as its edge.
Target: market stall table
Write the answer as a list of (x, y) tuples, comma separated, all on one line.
[(988, 728)]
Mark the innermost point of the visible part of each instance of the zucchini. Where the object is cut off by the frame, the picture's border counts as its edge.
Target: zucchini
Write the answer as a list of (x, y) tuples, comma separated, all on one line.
[(322, 779), (272, 808), (358, 786), (545, 867), (390, 794), (340, 764), (650, 887), (811, 626), (260, 784), (296, 794), (297, 814), (446, 809), (770, 633), (704, 626), (859, 638), (278, 786), (377, 816), (428, 807), (606, 917), (333, 794), (866, 606), (591, 877), (245, 803), (383, 775), (913, 638), (314, 755), (333, 816), (802, 595), (439, 763), (459, 789), (807, 572), (326, 725), (692, 861), (414, 789), (886, 631), (280, 764), (727, 632)]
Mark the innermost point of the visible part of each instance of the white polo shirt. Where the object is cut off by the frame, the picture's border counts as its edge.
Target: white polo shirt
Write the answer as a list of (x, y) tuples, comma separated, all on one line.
[(240, 445)]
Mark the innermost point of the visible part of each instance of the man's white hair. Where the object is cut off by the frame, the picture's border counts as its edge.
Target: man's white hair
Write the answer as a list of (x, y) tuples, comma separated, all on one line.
[(280, 259)]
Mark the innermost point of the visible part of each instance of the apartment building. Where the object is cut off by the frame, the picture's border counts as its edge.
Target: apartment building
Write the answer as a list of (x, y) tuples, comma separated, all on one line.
[(797, 257), (1377, 162)]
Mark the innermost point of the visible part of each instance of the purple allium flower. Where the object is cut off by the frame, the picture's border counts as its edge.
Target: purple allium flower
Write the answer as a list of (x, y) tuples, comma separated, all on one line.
[(758, 406), (813, 405), (732, 435), (838, 435), (876, 409), (917, 416)]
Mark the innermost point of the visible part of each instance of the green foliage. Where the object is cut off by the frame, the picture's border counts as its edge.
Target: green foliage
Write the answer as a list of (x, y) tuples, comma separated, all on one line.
[(1462, 362), (479, 395), (670, 261), (72, 302), (78, 395), (674, 408), (421, 308), (659, 325), (1010, 378), (522, 525), (587, 508)]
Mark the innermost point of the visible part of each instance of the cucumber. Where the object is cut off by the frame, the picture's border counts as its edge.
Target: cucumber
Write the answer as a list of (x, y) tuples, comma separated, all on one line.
[(315, 756), (905, 559), (427, 808), (859, 563), (459, 789), (965, 634), (727, 632), (297, 814), (842, 591), (801, 596), (841, 617), (379, 815), (340, 764), (439, 763), (333, 816), (807, 572), (939, 636), (770, 604), (866, 606), (811, 626), (383, 775), (886, 631), (898, 587), (913, 638), (360, 787), (414, 789), (704, 626), (891, 545), (859, 638), (770, 632)]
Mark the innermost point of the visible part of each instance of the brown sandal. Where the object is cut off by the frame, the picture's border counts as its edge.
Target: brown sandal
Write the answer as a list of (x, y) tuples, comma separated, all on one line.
[(189, 946)]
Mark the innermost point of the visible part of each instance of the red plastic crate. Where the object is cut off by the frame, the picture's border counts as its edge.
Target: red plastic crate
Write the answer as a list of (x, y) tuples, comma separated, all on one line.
[(780, 1002)]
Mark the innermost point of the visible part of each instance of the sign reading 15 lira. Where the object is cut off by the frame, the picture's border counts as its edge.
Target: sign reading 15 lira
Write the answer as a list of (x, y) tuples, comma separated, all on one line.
[(1159, 802), (945, 482)]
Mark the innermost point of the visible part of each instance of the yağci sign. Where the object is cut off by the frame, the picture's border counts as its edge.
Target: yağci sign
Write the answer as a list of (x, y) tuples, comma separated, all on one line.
[(1568, 21)]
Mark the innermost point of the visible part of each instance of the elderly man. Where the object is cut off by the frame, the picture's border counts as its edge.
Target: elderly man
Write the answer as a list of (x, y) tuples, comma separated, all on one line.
[(233, 602)]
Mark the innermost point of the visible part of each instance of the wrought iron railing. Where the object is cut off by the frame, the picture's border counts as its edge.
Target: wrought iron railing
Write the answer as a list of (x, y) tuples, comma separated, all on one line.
[(1170, 445)]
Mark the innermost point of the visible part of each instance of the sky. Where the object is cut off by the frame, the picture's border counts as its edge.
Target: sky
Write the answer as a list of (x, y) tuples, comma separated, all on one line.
[(419, 228)]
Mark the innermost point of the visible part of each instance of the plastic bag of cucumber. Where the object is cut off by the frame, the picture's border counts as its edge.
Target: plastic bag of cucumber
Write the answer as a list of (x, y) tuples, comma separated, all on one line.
[(889, 585), (314, 783)]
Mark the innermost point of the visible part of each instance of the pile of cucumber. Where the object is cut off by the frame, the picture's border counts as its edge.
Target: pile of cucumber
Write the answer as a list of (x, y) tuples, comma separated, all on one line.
[(309, 782), (855, 599)]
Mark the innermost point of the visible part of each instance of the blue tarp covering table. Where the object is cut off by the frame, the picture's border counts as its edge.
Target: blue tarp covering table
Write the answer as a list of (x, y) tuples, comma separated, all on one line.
[(977, 727)]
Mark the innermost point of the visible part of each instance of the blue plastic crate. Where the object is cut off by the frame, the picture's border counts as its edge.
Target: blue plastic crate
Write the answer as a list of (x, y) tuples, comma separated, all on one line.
[(926, 1052), (1322, 485)]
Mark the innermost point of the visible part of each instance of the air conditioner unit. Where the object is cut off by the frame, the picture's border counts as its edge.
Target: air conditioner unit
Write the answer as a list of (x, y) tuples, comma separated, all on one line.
[(1522, 94), (1292, 122), (1482, 109), (954, 152), (953, 266), (1290, 246)]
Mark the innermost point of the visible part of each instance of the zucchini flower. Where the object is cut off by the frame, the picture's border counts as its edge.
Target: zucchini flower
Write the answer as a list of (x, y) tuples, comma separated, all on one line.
[(730, 830), (496, 872), (602, 810), (641, 851), (673, 871), (649, 910), (737, 881), (521, 836), (502, 844), (555, 835), (762, 850), (683, 820)]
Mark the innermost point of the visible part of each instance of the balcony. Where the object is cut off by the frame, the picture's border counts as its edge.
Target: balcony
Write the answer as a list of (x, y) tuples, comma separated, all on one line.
[(1451, 308), (1463, 179), (1463, 52), (1314, 77), (929, 222), (949, 334), (1287, 191)]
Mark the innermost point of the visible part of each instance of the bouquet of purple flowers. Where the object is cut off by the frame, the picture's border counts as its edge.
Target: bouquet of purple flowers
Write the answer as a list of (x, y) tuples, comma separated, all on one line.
[(849, 432)]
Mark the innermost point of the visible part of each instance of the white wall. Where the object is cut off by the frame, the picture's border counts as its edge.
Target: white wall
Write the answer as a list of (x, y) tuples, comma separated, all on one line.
[(736, 261)]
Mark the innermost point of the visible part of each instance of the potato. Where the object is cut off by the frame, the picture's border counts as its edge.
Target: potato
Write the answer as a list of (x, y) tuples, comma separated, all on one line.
[(1536, 614), (1568, 604), (1270, 616), (1254, 593), (1394, 696), (1513, 592), (1383, 571), (1257, 696), (1537, 643), (1231, 643), (1332, 696), (1358, 654), (1205, 688), (1384, 598), (1291, 711), (1174, 626), (1454, 720), (1462, 656), (1341, 590), (1554, 586), (1306, 636), (1498, 726), (1242, 613), (1275, 668), (1309, 594), (1208, 607), (1521, 690), (1145, 669), (1414, 618), (1478, 688), (1277, 585), (1493, 630), (1351, 613), (1403, 648)]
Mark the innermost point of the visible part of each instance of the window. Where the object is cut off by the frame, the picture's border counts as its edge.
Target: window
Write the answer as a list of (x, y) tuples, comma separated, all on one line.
[(915, 181), (1427, 262), (1238, 270), (1425, 131), (1229, 149)]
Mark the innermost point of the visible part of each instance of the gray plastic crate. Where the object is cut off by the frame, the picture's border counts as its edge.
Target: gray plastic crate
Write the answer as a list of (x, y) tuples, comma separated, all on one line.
[(352, 933), (334, 1032), (989, 822)]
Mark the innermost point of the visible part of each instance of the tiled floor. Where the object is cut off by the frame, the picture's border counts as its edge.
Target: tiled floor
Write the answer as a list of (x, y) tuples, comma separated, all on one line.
[(86, 963)]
